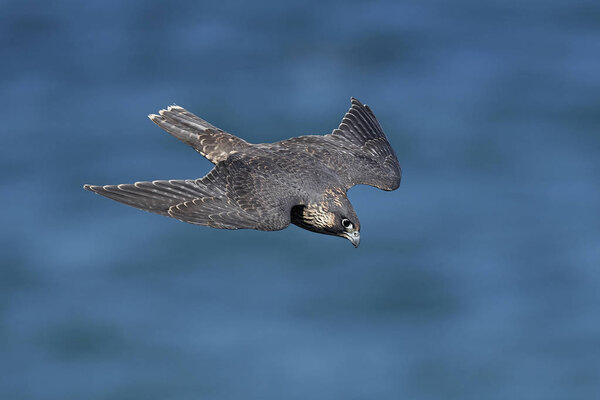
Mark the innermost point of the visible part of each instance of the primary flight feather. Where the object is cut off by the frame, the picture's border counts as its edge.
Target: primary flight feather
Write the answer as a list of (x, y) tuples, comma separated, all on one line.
[(301, 180)]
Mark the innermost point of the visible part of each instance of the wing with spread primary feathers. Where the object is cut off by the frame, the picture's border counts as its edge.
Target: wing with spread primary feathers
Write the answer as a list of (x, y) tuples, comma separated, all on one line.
[(358, 150), (224, 198)]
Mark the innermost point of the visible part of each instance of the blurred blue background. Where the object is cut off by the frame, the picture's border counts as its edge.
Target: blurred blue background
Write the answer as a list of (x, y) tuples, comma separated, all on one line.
[(477, 279)]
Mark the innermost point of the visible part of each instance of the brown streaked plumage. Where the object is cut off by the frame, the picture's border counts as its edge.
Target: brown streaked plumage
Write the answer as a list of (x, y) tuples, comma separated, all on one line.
[(267, 186)]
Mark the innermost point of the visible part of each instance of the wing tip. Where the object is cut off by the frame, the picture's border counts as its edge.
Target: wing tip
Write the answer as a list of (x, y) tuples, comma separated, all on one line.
[(356, 102), (92, 188)]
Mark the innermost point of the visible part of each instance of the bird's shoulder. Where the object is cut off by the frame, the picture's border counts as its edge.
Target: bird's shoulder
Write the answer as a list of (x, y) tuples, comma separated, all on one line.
[(286, 157), (357, 152)]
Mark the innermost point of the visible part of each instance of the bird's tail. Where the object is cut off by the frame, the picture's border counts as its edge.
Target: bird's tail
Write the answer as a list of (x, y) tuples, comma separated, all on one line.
[(213, 143)]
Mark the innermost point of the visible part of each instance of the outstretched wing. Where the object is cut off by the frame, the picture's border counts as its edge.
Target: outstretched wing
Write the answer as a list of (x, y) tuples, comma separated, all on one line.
[(156, 196), (213, 143), (358, 150), (223, 199), (379, 166)]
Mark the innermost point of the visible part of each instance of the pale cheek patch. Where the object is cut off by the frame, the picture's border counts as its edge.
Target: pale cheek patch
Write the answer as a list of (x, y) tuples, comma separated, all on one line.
[(317, 215), (324, 220)]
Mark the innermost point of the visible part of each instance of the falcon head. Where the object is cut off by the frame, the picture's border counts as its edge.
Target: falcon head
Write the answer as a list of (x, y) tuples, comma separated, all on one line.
[(331, 215)]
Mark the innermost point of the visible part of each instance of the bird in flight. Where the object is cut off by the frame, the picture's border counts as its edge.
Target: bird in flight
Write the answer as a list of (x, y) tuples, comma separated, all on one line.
[(301, 180)]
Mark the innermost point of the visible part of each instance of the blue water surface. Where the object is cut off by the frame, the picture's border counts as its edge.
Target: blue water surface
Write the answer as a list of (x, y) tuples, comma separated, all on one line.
[(478, 279)]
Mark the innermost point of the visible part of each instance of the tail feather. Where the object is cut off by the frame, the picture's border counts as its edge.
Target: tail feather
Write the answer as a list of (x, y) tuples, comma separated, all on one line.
[(213, 143)]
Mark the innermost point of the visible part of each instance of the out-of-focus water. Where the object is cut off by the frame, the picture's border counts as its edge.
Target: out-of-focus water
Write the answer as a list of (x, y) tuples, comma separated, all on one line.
[(477, 279)]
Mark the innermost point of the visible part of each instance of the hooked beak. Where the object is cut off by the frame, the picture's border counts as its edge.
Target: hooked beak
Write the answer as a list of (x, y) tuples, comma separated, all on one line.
[(353, 237)]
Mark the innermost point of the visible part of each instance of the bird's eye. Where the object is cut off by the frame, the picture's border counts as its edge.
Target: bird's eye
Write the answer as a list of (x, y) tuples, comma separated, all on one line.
[(346, 223)]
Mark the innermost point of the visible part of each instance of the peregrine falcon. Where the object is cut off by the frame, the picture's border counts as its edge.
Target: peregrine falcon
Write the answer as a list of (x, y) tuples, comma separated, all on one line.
[(267, 186)]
